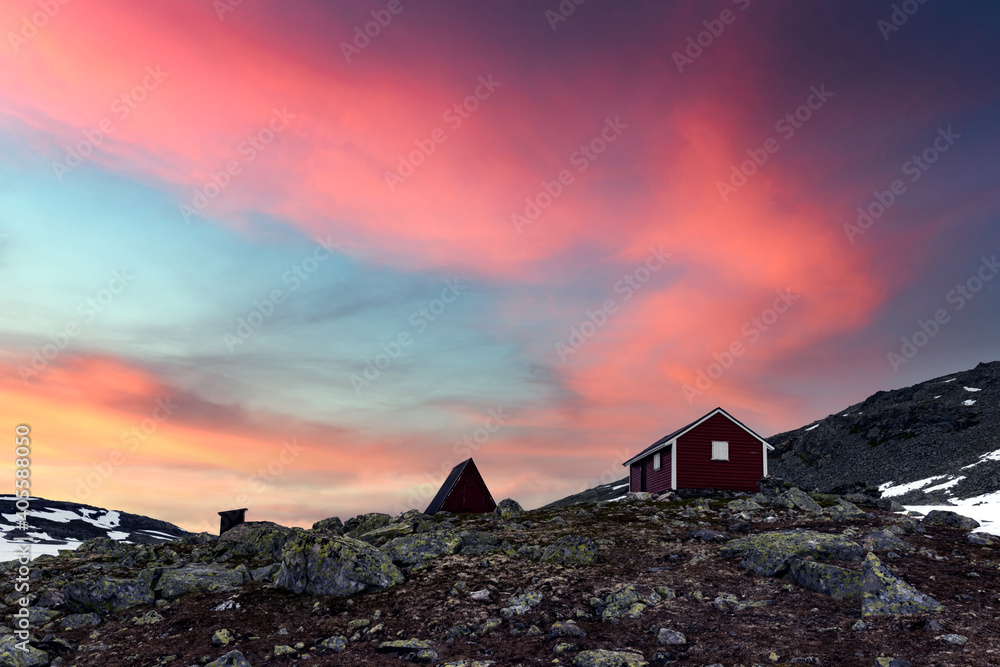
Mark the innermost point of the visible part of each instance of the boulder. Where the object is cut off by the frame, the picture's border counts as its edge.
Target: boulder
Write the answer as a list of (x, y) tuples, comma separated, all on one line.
[(798, 498), (106, 596), (946, 519), (705, 535), (416, 650), (13, 656), (629, 600), (827, 579), (605, 658), (507, 508), (417, 548), (769, 553), (883, 540), (572, 549), (365, 523), (845, 510), (566, 629), (384, 534), (885, 593), (669, 637), (231, 659), (332, 525), (476, 542), (330, 565), (259, 540), (741, 505), (980, 539), (638, 495), (201, 578), (74, 621)]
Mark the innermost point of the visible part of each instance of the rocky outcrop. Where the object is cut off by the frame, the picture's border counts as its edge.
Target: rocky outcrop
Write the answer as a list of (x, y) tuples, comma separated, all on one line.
[(339, 566), (769, 553), (413, 549), (572, 549), (201, 578), (824, 578), (260, 540), (106, 596), (885, 593)]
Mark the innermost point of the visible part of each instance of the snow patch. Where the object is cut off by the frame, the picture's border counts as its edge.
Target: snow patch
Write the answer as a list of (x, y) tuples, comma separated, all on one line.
[(938, 396), (812, 427), (968, 402), (985, 509), (947, 485), (971, 389), (951, 380), (620, 486), (983, 458), (890, 491)]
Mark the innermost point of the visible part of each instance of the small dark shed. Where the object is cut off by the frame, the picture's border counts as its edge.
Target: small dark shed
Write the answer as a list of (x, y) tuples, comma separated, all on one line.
[(716, 451), (464, 491), (231, 518)]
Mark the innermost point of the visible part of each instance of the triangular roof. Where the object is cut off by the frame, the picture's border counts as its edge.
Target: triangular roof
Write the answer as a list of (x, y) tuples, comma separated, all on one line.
[(667, 439), (466, 467)]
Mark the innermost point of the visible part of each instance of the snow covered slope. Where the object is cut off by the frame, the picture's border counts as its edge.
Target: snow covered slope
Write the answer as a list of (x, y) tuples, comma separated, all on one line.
[(55, 524)]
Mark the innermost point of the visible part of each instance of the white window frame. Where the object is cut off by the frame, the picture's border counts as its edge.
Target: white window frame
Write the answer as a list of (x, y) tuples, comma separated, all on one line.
[(656, 461), (716, 446)]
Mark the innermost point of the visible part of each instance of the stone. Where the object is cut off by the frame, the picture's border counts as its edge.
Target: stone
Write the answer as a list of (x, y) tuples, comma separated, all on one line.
[(845, 510), (529, 599), (507, 508), (335, 644), (148, 618), (514, 610), (13, 656), (638, 495), (223, 637), (628, 600), (947, 519), (260, 540), (283, 649), (106, 596), (480, 595), (837, 582), (885, 593), (332, 525), (883, 540), (404, 647), (476, 542), (74, 621), (953, 639), (563, 647), (669, 637), (201, 578), (365, 523), (573, 549), (741, 505), (231, 659), (338, 566), (801, 500), (704, 535), (421, 547), (565, 629), (769, 553), (606, 658), (980, 539)]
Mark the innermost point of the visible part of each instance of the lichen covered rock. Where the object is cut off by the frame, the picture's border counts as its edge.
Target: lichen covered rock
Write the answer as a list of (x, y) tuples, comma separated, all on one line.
[(261, 540), (507, 508), (798, 498), (947, 519), (106, 596), (201, 578), (417, 548), (340, 566), (231, 659), (332, 525), (883, 540), (572, 549), (365, 523), (827, 579), (606, 658), (770, 553), (885, 593)]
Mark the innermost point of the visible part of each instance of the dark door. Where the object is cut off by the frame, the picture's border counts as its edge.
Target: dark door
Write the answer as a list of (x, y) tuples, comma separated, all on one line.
[(642, 477)]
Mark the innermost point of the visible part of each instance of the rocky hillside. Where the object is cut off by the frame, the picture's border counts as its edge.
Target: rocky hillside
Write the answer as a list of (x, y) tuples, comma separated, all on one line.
[(947, 429), (612, 491), (779, 578), (55, 524)]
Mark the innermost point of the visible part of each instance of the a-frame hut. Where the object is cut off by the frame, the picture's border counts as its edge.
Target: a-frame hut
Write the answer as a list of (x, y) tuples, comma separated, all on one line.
[(463, 491)]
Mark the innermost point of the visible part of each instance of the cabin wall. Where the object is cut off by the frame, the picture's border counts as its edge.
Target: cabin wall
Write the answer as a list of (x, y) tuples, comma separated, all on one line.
[(697, 470)]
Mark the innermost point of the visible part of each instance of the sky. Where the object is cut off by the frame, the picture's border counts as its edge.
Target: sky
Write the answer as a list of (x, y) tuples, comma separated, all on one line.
[(306, 257)]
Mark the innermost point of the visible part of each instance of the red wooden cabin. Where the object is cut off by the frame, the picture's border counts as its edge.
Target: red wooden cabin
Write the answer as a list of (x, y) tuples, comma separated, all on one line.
[(463, 491), (714, 452)]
